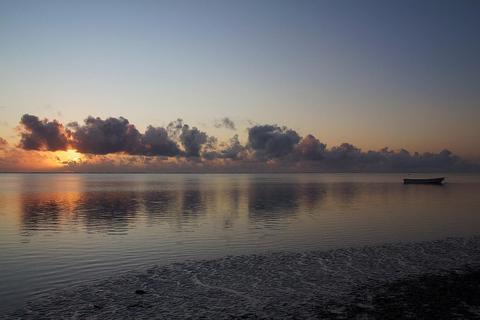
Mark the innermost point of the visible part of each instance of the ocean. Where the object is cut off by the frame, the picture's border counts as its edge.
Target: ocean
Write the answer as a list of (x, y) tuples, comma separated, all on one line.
[(58, 230)]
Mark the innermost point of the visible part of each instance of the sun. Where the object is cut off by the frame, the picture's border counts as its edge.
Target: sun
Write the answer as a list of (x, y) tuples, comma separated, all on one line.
[(67, 157)]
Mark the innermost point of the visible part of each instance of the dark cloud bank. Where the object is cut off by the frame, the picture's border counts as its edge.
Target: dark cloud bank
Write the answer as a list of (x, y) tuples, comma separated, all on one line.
[(269, 148)]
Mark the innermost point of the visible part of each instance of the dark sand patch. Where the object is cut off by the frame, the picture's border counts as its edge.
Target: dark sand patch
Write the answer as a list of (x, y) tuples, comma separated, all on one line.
[(453, 295)]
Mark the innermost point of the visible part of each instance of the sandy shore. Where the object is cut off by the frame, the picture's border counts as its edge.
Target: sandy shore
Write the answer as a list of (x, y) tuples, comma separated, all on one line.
[(408, 280)]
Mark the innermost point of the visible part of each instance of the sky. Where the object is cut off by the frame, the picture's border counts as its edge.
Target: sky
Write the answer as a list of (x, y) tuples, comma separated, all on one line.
[(239, 85)]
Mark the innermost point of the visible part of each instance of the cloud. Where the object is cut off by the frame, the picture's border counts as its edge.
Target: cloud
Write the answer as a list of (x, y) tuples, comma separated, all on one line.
[(116, 143), (402, 160), (309, 148), (347, 157), (157, 143), (232, 149), (209, 149), (271, 141), (192, 140), (111, 135), (42, 135), (174, 128), (247, 122), (118, 135), (19, 160), (3, 143), (225, 123), (344, 156)]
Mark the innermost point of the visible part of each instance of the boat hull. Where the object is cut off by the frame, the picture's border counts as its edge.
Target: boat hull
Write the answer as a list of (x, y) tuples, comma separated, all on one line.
[(424, 181)]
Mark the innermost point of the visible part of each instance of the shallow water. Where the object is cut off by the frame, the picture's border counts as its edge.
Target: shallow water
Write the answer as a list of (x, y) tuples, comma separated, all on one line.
[(61, 229)]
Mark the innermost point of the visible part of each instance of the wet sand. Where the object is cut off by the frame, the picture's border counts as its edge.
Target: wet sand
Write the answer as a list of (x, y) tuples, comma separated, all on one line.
[(435, 279)]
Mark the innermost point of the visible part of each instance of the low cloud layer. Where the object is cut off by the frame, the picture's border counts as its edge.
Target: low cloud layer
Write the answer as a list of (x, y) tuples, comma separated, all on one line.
[(112, 135), (269, 148)]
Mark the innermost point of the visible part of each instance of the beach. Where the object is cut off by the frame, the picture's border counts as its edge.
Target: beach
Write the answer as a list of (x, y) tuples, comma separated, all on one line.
[(403, 280)]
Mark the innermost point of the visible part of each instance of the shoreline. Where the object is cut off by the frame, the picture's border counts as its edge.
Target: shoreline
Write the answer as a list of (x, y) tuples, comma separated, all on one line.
[(333, 284)]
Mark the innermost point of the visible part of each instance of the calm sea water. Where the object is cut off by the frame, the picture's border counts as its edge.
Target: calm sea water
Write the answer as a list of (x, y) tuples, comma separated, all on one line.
[(61, 229)]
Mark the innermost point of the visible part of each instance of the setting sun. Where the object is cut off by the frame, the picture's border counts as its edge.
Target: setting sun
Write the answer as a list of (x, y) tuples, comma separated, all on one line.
[(69, 156)]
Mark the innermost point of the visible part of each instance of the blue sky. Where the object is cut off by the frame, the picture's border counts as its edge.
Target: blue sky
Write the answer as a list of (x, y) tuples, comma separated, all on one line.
[(402, 74)]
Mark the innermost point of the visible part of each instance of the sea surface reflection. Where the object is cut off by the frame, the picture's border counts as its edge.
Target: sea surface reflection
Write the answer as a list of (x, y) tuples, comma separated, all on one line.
[(62, 229)]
